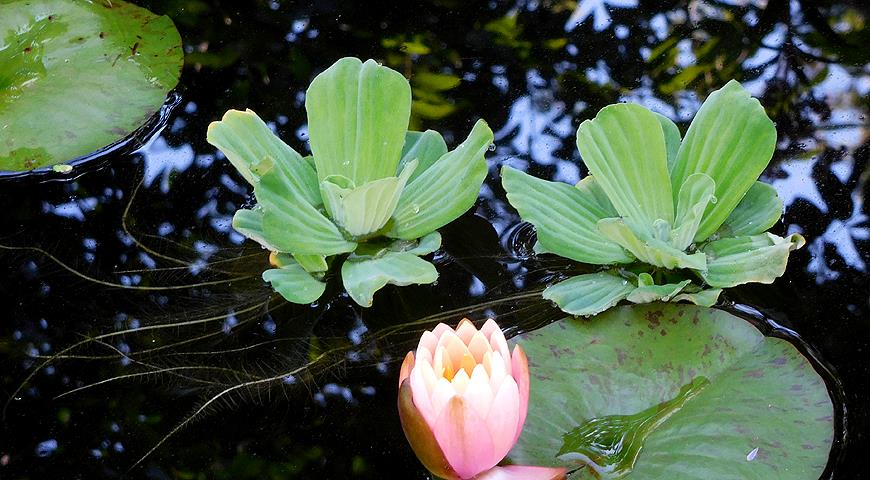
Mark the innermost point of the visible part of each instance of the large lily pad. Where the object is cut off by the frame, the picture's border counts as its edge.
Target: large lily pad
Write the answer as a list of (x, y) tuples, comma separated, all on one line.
[(665, 391), (78, 75)]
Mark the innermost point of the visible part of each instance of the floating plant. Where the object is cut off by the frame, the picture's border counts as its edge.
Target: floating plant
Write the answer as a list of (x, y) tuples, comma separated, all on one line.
[(76, 76), (673, 391), (671, 220), (369, 199)]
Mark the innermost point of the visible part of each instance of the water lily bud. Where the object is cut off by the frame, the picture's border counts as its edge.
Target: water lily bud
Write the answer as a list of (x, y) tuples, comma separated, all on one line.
[(463, 400)]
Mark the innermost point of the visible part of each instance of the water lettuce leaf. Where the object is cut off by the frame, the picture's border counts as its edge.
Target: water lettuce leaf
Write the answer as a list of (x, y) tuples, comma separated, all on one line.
[(357, 118), (624, 149), (565, 217), (731, 139), (363, 277)]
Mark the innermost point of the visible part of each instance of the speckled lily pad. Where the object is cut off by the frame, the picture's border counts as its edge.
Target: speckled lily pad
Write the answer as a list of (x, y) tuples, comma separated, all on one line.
[(78, 75), (673, 391)]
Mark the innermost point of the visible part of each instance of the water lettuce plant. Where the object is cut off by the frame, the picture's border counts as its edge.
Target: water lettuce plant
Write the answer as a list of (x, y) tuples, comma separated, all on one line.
[(370, 197), (670, 219)]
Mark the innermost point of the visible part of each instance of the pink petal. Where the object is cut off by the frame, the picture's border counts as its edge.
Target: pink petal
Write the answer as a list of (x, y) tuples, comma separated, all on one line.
[(454, 347), (442, 394), (407, 365), (521, 472), (497, 371), (503, 417), (420, 436), (427, 344), (421, 395), (463, 437), (521, 375), (440, 330), (478, 346), (489, 327), (465, 330), (478, 394), (499, 344), (460, 382)]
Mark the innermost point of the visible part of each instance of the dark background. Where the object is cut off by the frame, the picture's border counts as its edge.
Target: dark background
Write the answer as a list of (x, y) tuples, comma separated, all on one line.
[(129, 273)]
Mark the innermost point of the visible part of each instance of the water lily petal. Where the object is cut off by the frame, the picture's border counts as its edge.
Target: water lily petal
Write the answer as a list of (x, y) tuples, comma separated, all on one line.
[(463, 437), (478, 394), (521, 376), (407, 365), (465, 330), (478, 346), (421, 437), (442, 394), (423, 391), (522, 472), (503, 417)]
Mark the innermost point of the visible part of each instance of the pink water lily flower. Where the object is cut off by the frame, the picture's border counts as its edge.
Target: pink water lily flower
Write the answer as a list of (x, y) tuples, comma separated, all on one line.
[(463, 400)]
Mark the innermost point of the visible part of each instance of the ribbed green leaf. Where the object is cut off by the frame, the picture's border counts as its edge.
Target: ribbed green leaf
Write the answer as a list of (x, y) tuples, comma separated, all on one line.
[(565, 218), (732, 140), (250, 224), (672, 139), (588, 294), (445, 190), (312, 263), (704, 298), (357, 118), (756, 258), (254, 150), (648, 249), (695, 194), (592, 191), (363, 277), (294, 283), (624, 148), (759, 210), (426, 147), (654, 293), (426, 245), (292, 225), (365, 209)]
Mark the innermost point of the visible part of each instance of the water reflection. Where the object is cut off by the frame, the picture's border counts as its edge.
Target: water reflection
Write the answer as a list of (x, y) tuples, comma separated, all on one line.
[(141, 249)]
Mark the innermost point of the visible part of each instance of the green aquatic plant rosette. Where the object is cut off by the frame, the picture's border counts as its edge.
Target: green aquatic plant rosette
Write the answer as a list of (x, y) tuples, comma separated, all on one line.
[(669, 391), (670, 219), (370, 198), (77, 75)]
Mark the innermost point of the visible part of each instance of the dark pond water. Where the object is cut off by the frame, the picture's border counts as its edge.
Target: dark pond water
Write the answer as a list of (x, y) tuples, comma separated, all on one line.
[(127, 276)]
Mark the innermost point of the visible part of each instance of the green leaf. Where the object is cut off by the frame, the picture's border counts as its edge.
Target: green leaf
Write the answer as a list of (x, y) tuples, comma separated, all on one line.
[(695, 194), (445, 190), (357, 117), (564, 217), (667, 391), (426, 147), (759, 210), (250, 224), (592, 191), (293, 225), (704, 298), (672, 139), (312, 263), (363, 277), (756, 258), (294, 283), (624, 149), (654, 293), (732, 140), (425, 246), (77, 76), (254, 150), (648, 249), (588, 294), (365, 209)]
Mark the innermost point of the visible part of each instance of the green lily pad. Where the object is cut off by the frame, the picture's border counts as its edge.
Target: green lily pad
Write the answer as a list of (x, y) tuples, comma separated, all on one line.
[(76, 76), (671, 391)]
